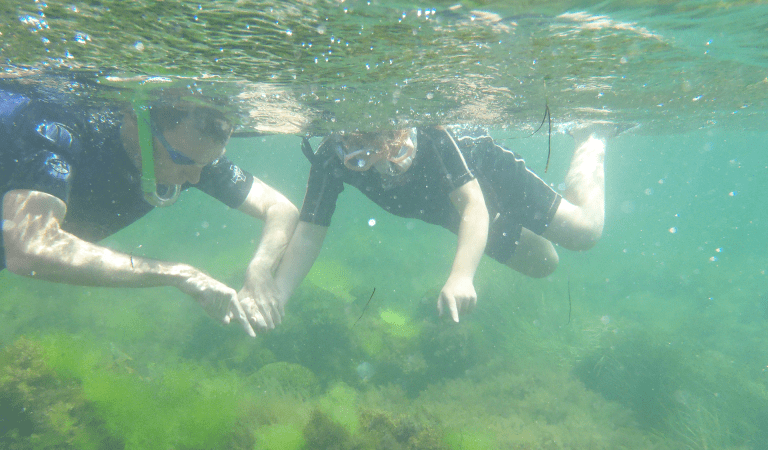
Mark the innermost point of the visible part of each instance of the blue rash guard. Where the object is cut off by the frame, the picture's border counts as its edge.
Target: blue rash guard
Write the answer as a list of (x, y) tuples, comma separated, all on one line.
[(75, 153)]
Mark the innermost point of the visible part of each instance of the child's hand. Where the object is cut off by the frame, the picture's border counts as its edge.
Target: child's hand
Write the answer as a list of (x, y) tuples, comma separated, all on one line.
[(458, 296)]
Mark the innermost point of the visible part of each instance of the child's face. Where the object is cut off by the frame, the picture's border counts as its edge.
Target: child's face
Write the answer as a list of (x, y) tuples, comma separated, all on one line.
[(363, 151), (366, 150)]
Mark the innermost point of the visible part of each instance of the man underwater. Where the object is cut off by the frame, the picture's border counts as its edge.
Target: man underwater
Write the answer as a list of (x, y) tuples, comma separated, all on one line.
[(72, 175)]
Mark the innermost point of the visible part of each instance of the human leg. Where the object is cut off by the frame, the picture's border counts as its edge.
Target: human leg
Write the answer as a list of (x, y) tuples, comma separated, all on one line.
[(578, 221), (534, 256)]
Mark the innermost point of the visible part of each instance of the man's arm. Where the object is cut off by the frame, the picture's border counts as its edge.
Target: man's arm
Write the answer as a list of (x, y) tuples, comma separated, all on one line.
[(280, 217), (37, 247), (458, 293)]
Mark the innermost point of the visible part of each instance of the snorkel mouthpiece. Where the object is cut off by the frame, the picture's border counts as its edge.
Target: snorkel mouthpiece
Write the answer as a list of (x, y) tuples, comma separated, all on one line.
[(170, 197), (146, 144)]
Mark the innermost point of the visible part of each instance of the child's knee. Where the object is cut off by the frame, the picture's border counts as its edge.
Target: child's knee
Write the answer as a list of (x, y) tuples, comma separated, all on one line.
[(546, 266), (588, 237), (540, 267)]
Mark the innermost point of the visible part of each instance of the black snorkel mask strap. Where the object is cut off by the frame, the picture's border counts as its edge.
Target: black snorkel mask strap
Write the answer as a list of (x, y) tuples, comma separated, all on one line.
[(146, 144)]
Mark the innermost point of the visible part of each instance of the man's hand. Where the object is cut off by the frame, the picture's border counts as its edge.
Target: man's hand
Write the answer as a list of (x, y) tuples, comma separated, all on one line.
[(458, 296), (218, 300), (260, 301)]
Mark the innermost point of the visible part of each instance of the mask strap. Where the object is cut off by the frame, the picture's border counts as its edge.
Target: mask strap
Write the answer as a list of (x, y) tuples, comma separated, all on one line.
[(147, 146)]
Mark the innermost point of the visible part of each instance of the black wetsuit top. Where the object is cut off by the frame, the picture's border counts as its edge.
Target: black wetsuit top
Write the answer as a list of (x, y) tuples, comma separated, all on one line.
[(75, 153), (515, 196)]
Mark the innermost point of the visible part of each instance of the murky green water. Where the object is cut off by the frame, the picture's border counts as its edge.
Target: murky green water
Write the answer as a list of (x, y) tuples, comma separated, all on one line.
[(666, 344)]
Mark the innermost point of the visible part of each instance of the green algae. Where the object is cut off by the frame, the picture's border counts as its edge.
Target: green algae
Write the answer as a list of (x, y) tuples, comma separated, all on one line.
[(72, 394), (399, 324), (413, 402), (696, 398), (288, 378), (400, 432), (316, 334), (322, 432), (505, 377), (41, 409), (470, 440), (332, 276), (341, 404), (378, 431), (280, 437)]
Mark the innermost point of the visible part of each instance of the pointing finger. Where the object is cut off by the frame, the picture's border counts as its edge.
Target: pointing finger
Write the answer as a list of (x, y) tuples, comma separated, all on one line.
[(454, 311)]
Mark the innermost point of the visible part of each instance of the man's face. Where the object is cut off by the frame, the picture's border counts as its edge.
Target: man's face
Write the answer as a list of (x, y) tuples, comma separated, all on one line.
[(190, 152)]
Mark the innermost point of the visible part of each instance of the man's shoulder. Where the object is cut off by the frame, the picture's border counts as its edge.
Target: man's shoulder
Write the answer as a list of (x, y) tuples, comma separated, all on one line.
[(62, 127), (10, 104)]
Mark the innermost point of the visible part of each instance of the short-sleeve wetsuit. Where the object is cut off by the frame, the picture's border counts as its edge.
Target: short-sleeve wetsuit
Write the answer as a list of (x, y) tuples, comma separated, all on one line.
[(75, 153), (515, 196)]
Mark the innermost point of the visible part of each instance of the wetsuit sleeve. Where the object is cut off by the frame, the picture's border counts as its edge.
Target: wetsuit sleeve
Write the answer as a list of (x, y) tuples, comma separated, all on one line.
[(453, 166), (323, 188), (226, 182)]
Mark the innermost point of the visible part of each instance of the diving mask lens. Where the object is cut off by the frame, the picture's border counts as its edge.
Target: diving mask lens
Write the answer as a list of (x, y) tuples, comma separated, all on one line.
[(406, 152), (402, 153), (361, 160)]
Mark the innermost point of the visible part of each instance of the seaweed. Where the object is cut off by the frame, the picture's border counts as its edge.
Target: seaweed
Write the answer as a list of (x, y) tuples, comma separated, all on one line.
[(66, 393), (637, 373), (226, 347), (316, 334), (379, 431), (322, 433), (40, 409), (400, 432), (288, 378), (691, 396)]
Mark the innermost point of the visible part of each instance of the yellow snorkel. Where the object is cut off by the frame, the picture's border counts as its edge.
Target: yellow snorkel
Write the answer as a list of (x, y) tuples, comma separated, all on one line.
[(147, 146)]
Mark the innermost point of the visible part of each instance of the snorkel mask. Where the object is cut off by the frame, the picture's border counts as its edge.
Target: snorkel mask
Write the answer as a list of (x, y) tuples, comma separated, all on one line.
[(149, 184), (407, 151), (361, 156)]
